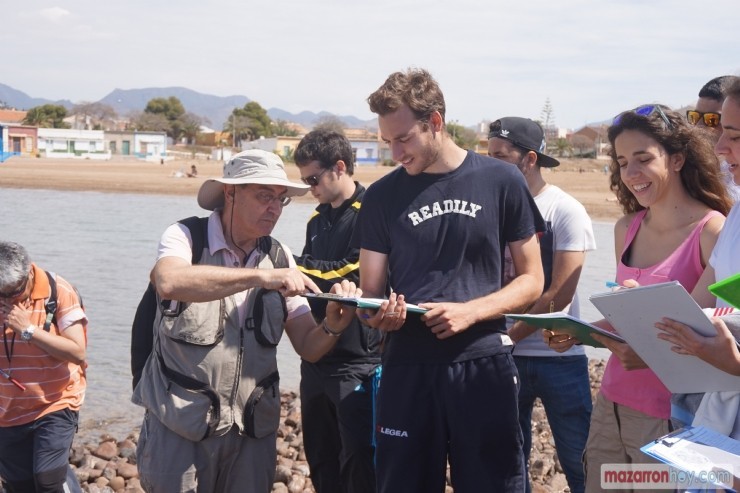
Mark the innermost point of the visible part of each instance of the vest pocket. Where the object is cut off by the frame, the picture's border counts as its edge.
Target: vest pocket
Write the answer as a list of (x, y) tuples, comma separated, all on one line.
[(265, 320), (198, 323), (183, 404), (262, 410)]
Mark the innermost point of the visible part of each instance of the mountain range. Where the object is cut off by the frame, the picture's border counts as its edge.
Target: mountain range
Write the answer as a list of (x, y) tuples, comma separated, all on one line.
[(215, 109)]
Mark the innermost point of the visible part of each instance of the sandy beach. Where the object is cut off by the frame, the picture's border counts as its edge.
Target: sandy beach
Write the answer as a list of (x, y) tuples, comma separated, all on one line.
[(583, 178)]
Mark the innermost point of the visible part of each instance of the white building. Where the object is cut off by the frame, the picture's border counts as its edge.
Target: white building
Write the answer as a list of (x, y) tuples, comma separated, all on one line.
[(72, 144)]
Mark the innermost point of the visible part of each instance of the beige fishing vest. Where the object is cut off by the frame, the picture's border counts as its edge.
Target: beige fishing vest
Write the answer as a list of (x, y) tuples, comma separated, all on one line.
[(207, 372)]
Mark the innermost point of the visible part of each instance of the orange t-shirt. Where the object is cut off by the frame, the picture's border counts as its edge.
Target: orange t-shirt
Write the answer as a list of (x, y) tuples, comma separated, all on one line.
[(51, 384)]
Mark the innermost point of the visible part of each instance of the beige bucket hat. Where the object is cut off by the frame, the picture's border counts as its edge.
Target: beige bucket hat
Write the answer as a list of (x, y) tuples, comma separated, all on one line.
[(252, 166)]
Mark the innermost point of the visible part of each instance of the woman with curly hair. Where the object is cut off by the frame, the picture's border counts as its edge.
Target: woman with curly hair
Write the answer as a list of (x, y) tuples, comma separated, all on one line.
[(667, 180)]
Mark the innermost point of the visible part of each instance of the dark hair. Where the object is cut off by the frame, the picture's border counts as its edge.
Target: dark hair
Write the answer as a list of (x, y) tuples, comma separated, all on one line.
[(327, 147), (716, 88), (700, 174), (416, 88), (733, 90)]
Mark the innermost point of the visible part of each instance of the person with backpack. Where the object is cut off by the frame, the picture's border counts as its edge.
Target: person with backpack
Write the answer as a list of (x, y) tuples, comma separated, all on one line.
[(337, 392), (42, 374), (210, 386)]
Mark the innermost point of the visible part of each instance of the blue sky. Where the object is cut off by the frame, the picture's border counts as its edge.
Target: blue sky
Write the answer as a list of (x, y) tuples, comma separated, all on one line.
[(591, 58)]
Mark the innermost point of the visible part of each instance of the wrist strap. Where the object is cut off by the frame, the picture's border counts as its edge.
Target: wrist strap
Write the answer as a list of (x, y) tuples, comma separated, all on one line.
[(328, 331)]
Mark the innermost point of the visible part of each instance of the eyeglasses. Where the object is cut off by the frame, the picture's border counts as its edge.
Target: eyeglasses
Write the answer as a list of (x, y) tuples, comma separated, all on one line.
[(313, 180), (645, 110), (265, 198), (710, 119), (17, 293)]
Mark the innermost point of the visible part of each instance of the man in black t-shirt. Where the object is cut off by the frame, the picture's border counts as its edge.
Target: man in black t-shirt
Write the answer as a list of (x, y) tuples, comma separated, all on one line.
[(436, 228)]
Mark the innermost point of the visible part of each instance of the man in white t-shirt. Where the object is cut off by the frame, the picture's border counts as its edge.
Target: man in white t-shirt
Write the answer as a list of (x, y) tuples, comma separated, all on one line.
[(559, 380)]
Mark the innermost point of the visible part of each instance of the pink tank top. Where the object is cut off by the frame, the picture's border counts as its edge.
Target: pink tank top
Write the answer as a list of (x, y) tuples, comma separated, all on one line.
[(641, 389)]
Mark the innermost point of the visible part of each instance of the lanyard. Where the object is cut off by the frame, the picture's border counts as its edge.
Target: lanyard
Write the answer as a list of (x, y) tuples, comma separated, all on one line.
[(9, 356)]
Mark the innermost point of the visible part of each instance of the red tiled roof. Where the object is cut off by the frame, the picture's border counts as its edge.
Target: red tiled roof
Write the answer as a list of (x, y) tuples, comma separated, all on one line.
[(12, 116)]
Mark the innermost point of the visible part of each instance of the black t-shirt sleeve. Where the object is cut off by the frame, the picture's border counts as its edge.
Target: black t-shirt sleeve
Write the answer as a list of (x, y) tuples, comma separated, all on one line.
[(371, 230)]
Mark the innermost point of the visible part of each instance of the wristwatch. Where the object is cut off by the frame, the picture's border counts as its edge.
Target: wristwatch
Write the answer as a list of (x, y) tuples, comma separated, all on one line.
[(27, 333)]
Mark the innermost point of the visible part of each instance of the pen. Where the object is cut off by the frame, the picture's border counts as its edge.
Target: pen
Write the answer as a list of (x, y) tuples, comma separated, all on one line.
[(13, 380), (612, 284), (552, 306)]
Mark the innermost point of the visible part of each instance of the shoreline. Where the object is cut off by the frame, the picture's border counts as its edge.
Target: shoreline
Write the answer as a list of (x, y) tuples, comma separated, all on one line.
[(584, 178)]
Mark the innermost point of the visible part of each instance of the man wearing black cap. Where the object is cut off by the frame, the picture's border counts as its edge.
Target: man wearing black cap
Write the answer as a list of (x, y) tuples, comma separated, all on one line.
[(559, 380)]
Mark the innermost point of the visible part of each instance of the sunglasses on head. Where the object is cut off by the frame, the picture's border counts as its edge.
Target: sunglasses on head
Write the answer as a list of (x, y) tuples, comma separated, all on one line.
[(710, 119), (313, 180), (645, 110)]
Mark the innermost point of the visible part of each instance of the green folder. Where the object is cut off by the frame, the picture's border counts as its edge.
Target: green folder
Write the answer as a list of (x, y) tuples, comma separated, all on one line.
[(562, 322), (728, 289)]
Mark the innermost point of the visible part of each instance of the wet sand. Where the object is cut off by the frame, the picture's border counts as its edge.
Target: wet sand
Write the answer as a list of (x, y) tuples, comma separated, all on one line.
[(584, 179)]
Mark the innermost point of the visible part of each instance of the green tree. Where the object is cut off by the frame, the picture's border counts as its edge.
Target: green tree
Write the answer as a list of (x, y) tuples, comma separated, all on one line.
[(462, 136), (171, 109), (249, 122), (47, 116)]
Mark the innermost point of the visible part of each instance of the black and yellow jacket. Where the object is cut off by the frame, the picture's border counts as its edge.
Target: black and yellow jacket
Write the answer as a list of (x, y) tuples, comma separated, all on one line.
[(328, 258)]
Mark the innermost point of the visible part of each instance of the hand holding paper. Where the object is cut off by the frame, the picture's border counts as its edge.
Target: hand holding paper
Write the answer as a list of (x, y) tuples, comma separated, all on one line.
[(635, 312), (627, 356), (720, 351)]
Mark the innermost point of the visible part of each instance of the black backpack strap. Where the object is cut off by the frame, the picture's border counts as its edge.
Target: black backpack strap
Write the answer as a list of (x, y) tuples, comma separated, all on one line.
[(51, 304), (142, 329), (272, 247), (198, 227)]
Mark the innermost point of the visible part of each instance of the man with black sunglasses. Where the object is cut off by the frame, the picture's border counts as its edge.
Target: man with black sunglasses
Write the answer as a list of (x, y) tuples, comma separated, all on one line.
[(708, 113), (337, 392), (708, 109)]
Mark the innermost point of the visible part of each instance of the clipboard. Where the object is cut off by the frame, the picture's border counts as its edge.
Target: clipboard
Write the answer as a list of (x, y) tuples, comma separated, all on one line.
[(563, 322), (696, 450), (633, 313), (727, 289), (369, 303)]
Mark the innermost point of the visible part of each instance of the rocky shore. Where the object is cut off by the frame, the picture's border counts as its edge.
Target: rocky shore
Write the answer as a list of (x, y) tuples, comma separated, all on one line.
[(110, 465)]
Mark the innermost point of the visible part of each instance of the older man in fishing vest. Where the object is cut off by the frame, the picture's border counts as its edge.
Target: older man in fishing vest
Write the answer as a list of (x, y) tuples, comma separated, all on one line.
[(210, 387)]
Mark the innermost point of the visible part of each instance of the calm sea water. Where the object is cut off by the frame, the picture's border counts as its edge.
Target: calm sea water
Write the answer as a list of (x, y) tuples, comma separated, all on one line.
[(106, 244)]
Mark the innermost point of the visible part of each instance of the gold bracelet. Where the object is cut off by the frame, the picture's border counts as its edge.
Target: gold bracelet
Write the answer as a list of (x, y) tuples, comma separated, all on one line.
[(328, 331)]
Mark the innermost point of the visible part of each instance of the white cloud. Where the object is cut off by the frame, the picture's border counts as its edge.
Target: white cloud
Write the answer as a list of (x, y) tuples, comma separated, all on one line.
[(591, 58), (55, 14)]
